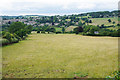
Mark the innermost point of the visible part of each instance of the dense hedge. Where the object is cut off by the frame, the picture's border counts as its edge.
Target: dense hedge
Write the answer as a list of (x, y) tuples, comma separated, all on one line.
[(16, 31), (90, 30), (6, 42)]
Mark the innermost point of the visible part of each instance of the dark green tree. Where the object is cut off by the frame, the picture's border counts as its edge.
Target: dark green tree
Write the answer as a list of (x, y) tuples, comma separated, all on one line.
[(15, 27), (52, 30), (63, 29), (78, 30), (109, 20)]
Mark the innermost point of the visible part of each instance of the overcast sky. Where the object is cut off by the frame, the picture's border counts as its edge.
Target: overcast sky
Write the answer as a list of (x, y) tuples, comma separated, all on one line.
[(55, 7)]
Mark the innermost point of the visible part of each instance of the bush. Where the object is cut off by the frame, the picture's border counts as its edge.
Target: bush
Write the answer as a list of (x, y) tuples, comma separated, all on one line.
[(4, 42), (38, 31), (14, 40), (21, 33), (8, 36), (24, 37), (52, 30), (43, 32), (58, 32), (16, 36), (115, 34), (115, 75), (78, 30)]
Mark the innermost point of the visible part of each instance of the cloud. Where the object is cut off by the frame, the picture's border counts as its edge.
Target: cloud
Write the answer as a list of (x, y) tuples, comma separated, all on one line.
[(16, 7)]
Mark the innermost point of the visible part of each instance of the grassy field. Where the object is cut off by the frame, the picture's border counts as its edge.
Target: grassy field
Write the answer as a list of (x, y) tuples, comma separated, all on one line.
[(70, 28), (100, 21), (114, 28), (0, 62), (60, 55), (58, 29)]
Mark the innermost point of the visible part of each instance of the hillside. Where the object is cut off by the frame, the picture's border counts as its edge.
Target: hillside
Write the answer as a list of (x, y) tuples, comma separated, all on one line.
[(100, 21)]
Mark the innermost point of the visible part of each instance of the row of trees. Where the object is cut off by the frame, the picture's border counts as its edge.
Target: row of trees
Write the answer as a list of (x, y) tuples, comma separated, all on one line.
[(50, 29), (16, 32), (91, 30)]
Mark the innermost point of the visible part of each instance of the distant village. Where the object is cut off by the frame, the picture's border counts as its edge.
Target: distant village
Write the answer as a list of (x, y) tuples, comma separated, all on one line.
[(58, 21)]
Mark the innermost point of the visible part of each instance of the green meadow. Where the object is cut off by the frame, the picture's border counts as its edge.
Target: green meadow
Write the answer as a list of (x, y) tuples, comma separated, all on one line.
[(100, 21), (70, 28), (60, 56)]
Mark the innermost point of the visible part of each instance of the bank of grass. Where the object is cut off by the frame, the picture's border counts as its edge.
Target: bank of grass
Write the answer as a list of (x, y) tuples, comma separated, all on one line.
[(60, 56)]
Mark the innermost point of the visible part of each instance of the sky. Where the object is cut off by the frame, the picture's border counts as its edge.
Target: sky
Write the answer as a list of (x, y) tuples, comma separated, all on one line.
[(55, 7)]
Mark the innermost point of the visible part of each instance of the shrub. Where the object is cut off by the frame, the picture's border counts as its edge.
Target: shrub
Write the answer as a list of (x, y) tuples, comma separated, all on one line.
[(3, 32), (16, 36), (14, 40), (43, 32), (52, 30), (115, 75), (21, 33), (78, 30), (8, 36), (4, 42), (38, 31), (109, 20), (24, 37), (58, 32)]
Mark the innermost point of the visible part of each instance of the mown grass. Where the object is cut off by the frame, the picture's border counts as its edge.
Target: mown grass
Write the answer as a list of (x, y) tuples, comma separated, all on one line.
[(60, 55), (100, 21)]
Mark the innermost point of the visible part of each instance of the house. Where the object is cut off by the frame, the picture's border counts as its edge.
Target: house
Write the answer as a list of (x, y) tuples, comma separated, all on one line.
[(96, 32), (56, 24)]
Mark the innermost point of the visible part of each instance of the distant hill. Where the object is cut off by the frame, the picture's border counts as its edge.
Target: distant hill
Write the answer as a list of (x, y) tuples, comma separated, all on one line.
[(34, 15)]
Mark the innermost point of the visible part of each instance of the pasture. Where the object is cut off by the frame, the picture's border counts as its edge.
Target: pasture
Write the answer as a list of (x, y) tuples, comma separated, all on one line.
[(60, 56), (70, 28), (100, 21), (58, 29)]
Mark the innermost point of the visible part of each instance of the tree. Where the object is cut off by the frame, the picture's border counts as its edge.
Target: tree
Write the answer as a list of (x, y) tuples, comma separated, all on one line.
[(9, 22), (87, 21), (28, 29), (21, 33), (63, 29), (87, 28), (52, 30), (113, 22), (118, 24), (109, 20), (102, 26), (16, 26), (78, 29), (93, 29), (80, 23), (8, 36), (38, 31), (90, 21)]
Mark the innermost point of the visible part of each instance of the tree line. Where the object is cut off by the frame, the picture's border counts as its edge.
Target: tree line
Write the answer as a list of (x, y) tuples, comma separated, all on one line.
[(90, 30)]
